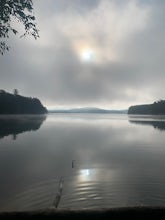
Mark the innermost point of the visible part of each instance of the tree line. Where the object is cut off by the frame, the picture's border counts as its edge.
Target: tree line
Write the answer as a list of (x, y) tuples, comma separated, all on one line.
[(17, 104), (157, 108)]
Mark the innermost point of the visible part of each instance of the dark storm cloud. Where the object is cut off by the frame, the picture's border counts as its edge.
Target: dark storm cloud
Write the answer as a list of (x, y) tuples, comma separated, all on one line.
[(127, 38)]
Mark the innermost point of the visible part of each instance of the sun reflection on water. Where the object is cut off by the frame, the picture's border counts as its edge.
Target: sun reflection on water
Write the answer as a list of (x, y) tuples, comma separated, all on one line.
[(86, 175)]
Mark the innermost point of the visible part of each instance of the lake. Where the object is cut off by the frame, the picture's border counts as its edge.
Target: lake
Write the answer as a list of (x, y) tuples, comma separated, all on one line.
[(81, 161)]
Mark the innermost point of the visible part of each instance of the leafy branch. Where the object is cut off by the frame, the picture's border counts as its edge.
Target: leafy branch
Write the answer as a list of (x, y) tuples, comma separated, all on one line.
[(22, 11)]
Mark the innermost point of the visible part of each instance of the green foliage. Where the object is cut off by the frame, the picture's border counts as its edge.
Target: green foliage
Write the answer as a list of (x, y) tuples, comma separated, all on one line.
[(21, 11)]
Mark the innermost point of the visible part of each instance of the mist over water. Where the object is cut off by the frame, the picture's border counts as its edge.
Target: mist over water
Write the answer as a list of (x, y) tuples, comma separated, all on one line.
[(81, 161)]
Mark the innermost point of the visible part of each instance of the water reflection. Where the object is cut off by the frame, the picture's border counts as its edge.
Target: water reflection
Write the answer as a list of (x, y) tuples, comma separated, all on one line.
[(74, 162), (14, 125), (156, 122)]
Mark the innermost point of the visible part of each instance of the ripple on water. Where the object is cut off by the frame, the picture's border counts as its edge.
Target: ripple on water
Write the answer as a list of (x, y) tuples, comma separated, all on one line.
[(88, 194)]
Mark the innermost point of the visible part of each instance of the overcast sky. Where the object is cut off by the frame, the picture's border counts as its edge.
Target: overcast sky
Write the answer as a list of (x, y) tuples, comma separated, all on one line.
[(102, 53)]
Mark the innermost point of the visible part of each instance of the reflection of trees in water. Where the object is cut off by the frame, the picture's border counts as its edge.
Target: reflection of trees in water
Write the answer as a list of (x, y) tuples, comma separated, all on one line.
[(160, 125), (14, 125)]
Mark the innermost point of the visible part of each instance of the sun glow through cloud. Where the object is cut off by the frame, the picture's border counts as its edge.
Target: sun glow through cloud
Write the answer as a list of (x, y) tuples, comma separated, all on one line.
[(87, 55), (97, 54)]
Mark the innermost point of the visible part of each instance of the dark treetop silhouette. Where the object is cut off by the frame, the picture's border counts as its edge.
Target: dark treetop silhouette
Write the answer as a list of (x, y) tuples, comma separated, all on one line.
[(157, 108), (16, 104)]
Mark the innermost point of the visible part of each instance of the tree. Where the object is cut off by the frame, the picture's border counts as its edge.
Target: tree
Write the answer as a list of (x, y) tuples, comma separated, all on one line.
[(15, 91), (21, 11)]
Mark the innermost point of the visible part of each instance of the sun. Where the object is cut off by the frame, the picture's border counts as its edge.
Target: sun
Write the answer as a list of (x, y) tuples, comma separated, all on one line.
[(87, 55)]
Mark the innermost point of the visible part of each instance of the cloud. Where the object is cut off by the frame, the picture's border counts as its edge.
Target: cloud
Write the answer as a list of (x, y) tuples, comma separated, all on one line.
[(126, 38)]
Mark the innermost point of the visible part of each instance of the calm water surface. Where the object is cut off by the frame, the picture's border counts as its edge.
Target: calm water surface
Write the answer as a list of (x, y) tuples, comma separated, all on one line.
[(81, 161)]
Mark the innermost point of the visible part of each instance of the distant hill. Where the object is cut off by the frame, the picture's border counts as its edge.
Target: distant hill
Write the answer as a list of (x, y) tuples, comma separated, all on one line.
[(17, 104), (157, 108), (89, 110)]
